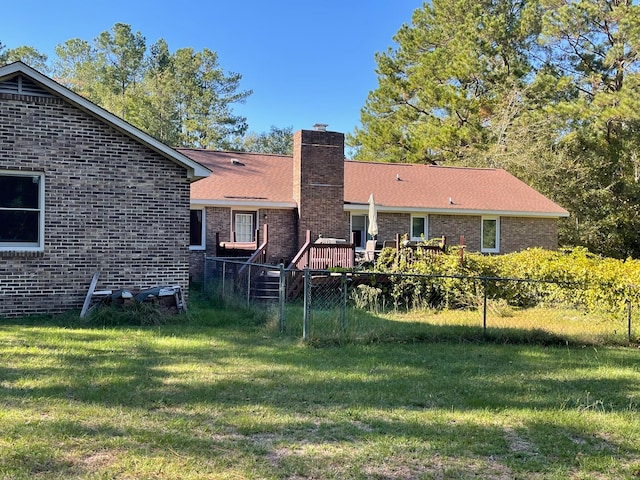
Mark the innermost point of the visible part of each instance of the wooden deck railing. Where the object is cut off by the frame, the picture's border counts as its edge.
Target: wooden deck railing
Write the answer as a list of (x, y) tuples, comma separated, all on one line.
[(320, 256), (260, 255)]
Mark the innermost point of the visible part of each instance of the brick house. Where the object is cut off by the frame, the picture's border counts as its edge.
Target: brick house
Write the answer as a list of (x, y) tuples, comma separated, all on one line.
[(317, 190), (83, 191)]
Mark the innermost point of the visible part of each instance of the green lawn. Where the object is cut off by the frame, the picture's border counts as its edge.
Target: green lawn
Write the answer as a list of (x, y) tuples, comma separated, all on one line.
[(221, 398)]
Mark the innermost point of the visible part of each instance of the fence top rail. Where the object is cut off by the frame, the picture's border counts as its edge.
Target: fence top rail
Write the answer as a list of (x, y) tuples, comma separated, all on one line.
[(315, 271), (241, 262), (424, 275)]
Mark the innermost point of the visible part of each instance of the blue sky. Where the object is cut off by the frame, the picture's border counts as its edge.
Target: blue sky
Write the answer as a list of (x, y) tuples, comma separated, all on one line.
[(306, 61)]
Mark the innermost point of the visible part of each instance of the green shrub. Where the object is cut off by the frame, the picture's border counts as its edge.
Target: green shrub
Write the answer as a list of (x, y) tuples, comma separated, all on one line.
[(572, 277)]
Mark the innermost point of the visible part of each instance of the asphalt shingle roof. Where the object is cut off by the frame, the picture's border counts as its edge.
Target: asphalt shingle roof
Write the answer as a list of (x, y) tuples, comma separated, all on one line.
[(248, 177)]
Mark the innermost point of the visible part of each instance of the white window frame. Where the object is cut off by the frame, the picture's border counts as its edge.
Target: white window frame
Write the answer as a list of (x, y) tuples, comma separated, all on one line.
[(27, 246), (418, 238), (495, 249), (234, 224), (203, 234)]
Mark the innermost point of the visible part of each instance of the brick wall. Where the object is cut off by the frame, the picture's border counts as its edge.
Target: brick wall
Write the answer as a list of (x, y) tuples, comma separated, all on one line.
[(318, 183), (111, 205), (282, 236), (390, 224), (283, 241), (452, 226), (516, 233)]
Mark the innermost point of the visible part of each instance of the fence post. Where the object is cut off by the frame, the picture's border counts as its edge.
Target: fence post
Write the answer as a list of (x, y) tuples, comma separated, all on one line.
[(282, 290), (307, 304), (205, 276), (248, 286), (224, 275), (629, 321), (343, 305), (484, 306)]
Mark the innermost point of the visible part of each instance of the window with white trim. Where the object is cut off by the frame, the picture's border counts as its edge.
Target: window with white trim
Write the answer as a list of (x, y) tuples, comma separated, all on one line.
[(244, 226), (419, 228), (21, 211), (490, 234), (197, 224)]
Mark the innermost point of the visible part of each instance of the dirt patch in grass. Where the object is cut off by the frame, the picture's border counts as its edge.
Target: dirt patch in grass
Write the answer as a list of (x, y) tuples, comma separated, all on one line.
[(441, 468), (517, 444), (99, 461)]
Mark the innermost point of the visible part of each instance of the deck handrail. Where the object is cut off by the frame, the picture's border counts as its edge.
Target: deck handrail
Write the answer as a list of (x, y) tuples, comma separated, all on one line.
[(261, 251), (304, 250)]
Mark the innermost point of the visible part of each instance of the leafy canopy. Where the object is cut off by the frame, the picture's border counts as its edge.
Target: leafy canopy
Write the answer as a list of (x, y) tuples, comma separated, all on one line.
[(183, 98), (547, 89)]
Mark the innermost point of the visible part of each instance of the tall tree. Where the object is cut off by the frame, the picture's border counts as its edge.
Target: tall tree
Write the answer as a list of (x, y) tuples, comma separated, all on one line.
[(120, 56), (182, 98), (437, 92), (204, 97), (594, 45), (277, 141), (24, 54), (160, 116), (548, 89), (76, 67)]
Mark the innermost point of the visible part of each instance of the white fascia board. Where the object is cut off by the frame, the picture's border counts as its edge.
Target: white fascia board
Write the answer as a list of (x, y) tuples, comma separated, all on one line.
[(448, 211), (195, 171), (243, 204)]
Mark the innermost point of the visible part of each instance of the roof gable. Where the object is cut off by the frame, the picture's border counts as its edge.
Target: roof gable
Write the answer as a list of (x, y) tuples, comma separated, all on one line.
[(19, 78)]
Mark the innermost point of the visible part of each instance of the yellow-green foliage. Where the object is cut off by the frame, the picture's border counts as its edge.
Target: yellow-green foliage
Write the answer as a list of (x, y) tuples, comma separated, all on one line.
[(569, 276)]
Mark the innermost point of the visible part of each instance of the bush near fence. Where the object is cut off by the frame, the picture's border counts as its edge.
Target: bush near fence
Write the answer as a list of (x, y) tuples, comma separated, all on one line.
[(585, 293), (571, 277)]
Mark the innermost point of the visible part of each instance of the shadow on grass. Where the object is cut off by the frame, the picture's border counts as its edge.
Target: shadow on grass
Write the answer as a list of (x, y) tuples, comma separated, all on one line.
[(231, 378), (334, 327), (436, 367)]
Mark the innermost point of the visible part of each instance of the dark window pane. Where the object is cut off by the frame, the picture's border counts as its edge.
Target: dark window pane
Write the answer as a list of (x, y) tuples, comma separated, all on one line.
[(19, 226), (417, 227), (489, 234), (19, 192), (357, 237), (196, 228)]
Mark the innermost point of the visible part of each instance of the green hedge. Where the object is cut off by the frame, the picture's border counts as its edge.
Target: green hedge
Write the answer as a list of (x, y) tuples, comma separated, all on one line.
[(571, 277)]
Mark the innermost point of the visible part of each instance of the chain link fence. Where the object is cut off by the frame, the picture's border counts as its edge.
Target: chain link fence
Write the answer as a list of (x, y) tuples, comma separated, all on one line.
[(330, 305)]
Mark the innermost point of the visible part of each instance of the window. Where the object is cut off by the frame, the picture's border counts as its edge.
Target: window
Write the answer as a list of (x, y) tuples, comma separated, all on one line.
[(21, 211), (359, 227), (244, 226), (419, 228), (490, 234), (197, 230)]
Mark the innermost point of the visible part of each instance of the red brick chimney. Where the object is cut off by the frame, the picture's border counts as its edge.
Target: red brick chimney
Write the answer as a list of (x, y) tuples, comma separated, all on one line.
[(318, 183)]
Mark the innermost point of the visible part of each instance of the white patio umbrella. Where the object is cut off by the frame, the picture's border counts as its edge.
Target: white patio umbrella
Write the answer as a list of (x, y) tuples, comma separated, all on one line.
[(373, 218)]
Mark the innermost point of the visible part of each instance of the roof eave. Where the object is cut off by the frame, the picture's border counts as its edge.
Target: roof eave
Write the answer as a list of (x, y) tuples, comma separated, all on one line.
[(243, 203), (195, 171), (455, 211)]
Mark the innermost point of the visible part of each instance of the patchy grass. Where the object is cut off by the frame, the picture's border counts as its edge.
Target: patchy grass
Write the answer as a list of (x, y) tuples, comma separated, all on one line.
[(224, 396), (542, 326)]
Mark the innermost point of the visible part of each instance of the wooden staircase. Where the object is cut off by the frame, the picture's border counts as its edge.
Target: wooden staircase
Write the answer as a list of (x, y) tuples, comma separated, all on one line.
[(267, 287)]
